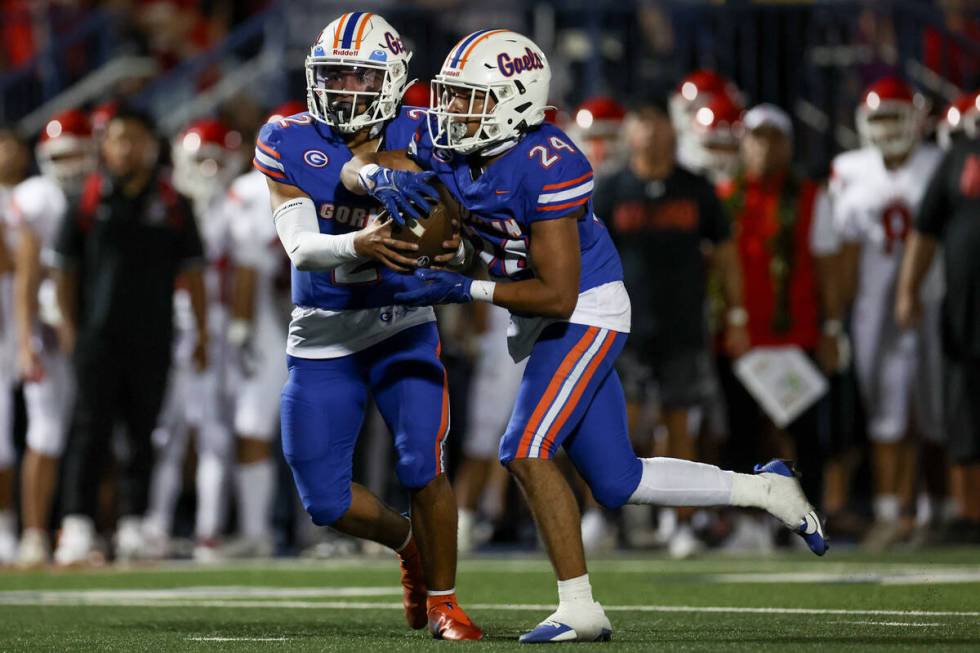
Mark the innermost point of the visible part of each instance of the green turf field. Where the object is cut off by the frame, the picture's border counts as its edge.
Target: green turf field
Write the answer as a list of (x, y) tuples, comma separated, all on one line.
[(788, 603)]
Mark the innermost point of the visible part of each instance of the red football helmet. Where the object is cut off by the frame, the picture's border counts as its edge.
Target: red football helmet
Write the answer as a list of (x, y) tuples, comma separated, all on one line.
[(890, 116), (66, 152), (416, 95), (207, 156), (286, 109), (597, 128), (694, 91), (959, 120), (716, 135)]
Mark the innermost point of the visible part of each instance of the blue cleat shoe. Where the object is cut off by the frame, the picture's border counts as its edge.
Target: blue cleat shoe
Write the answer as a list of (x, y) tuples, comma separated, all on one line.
[(791, 507), (571, 625)]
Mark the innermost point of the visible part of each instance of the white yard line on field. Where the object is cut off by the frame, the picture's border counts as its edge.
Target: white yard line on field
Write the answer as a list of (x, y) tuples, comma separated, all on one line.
[(196, 593), (895, 624), (236, 639), (104, 598)]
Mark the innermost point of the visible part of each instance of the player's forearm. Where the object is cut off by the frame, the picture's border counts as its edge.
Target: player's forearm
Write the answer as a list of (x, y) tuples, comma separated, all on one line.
[(828, 280), (194, 278), (730, 272), (350, 174), (533, 297), (66, 293), (27, 282), (243, 294), (308, 249), (919, 252)]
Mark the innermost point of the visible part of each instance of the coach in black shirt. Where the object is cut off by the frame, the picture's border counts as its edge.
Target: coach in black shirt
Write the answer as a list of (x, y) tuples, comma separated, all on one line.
[(950, 215), (120, 251), (669, 227)]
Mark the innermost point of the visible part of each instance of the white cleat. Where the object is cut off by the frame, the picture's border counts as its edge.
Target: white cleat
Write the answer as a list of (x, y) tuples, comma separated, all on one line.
[(571, 624), (684, 543), (34, 550), (76, 544), (789, 505), (596, 533), (129, 540)]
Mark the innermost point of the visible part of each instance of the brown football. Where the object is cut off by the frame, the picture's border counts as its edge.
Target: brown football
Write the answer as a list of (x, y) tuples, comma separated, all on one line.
[(431, 230)]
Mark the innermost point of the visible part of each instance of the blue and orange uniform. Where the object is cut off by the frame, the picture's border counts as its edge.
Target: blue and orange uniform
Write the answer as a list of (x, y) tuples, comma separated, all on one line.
[(570, 395), (347, 337)]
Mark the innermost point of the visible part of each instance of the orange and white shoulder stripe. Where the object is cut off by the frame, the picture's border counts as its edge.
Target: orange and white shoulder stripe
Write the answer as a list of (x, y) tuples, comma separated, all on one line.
[(267, 161), (567, 194)]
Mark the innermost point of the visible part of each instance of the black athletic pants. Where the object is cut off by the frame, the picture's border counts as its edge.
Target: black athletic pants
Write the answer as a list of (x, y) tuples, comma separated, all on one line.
[(115, 384)]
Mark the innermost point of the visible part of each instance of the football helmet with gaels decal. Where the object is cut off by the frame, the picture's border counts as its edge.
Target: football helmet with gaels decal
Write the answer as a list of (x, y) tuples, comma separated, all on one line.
[(356, 72), (491, 88), (890, 116)]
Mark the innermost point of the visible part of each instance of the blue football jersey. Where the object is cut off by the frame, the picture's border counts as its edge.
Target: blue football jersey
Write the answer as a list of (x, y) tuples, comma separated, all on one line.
[(543, 177), (300, 151)]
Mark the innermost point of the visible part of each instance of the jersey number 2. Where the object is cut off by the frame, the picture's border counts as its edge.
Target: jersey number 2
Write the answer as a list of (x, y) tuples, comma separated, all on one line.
[(547, 157)]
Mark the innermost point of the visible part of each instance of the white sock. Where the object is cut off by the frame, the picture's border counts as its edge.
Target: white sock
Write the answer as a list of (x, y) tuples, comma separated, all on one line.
[(451, 590), (256, 489), (210, 493), (674, 482), (575, 590), (886, 507), (750, 491), (7, 521)]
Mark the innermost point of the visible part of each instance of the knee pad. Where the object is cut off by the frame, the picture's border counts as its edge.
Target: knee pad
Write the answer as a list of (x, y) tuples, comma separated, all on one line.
[(415, 471), (612, 493), (326, 509)]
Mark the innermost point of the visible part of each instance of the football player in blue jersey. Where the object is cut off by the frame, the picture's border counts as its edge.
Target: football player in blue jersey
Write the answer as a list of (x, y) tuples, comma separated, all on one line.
[(526, 191), (348, 337)]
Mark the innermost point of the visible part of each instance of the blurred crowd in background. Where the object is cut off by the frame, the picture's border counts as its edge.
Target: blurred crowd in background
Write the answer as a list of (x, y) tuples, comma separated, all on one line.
[(760, 168)]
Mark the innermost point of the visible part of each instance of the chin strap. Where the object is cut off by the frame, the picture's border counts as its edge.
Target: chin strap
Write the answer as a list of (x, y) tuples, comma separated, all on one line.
[(497, 148)]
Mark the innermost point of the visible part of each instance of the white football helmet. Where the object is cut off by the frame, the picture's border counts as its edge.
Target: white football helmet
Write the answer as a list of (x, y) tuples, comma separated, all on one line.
[(66, 151), (207, 156), (512, 74), (363, 44), (890, 117)]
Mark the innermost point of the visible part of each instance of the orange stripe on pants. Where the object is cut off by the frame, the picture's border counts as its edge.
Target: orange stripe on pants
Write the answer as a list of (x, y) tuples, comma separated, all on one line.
[(566, 367), (576, 396)]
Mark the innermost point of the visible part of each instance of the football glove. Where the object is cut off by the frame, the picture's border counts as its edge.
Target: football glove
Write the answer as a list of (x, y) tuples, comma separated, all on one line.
[(400, 192), (438, 287)]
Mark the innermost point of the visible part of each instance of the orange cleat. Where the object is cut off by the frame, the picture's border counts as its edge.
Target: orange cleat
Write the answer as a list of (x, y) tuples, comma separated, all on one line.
[(448, 621), (413, 586)]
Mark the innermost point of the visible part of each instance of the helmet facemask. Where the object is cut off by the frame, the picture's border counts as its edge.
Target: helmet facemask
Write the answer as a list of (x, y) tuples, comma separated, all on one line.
[(483, 104), (67, 164), (893, 128), (350, 95)]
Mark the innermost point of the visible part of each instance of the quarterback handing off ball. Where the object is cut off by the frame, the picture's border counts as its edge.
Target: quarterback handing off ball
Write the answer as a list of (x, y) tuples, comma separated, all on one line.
[(432, 230)]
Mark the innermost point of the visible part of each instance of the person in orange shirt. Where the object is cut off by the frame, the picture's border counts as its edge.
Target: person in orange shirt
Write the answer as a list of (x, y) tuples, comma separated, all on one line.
[(772, 210)]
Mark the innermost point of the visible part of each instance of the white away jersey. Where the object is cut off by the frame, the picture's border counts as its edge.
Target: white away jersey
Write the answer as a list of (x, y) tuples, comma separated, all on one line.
[(875, 208)]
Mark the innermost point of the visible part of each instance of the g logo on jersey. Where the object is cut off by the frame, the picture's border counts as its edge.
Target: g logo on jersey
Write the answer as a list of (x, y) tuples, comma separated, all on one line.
[(316, 158)]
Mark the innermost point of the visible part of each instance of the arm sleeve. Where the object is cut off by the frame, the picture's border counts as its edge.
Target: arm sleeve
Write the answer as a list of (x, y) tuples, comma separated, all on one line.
[(269, 159), (935, 208), (558, 190), (714, 221)]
